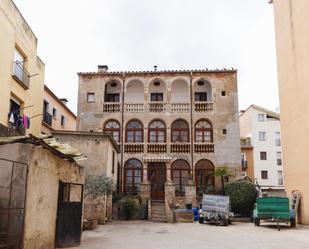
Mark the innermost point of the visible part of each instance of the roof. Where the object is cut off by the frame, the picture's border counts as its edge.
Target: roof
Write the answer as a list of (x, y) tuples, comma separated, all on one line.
[(47, 142), (269, 112), (113, 73), (88, 133), (59, 100)]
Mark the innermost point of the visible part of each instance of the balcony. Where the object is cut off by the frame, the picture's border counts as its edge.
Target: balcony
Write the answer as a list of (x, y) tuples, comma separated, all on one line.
[(11, 132), (244, 164), (136, 148), (47, 118), (157, 106), (203, 106), (245, 142), (180, 148), (202, 148), (111, 107), (180, 107), (156, 148), (134, 107), (21, 75)]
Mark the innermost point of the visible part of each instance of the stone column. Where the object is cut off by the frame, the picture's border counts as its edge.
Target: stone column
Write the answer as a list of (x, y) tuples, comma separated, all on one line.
[(169, 201), (190, 193), (168, 173)]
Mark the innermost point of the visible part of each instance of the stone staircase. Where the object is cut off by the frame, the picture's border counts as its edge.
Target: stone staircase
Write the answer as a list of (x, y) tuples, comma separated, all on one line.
[(158, 211)]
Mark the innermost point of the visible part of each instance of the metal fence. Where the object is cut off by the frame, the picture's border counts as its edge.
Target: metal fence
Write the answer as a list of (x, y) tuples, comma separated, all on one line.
[(13, 183)]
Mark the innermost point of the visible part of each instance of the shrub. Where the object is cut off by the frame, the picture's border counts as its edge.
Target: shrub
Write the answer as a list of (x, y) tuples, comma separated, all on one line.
[(97, 185), (242, 196), (128, 205)]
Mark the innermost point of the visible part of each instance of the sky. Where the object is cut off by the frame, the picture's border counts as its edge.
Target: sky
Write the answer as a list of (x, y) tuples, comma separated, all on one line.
[(77, 35)]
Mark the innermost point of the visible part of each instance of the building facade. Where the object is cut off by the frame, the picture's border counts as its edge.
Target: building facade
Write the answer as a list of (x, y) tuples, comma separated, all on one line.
[(262, 128), (247, 163), (171, 126), (56, 114), (21, 74), (292, 41)]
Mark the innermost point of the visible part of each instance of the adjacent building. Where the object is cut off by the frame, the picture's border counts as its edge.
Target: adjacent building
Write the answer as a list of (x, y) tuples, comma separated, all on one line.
[(247, 166), (292, 40), (260, 130), (21, 74), (171, 126), (56, 113)]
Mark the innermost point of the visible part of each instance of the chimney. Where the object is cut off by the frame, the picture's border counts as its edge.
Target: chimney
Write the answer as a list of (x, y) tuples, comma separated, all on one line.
[(64, 101), (102, 68)]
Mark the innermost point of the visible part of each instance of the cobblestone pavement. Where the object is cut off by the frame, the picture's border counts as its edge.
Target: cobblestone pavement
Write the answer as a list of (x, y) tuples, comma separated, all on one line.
[(149, 235)]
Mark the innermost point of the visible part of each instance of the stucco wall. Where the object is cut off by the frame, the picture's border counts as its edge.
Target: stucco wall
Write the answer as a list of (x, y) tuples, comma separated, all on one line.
[(292, 40), (15, 32), (45, 172)]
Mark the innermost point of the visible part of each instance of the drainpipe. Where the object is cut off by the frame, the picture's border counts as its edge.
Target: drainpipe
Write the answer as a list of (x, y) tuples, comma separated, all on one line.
[(122, 133), (191, 117)]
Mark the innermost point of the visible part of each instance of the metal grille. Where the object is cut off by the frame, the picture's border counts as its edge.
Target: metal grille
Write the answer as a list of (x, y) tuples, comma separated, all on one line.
[(13, 182)]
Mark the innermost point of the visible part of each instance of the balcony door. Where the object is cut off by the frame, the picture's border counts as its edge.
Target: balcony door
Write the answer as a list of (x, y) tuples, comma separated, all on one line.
[(157, 178)]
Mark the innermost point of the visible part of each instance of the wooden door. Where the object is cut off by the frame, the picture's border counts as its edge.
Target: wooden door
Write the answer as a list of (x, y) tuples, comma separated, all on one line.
[(157, 178)]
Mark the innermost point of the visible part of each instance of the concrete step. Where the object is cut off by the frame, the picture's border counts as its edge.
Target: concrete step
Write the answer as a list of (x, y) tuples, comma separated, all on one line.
[(158, 211)]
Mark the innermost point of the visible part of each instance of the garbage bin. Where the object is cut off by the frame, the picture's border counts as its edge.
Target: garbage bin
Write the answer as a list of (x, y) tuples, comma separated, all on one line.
[(196, 213)]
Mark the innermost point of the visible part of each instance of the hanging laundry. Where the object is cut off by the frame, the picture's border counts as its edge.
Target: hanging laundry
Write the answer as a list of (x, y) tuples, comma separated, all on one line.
[(11, 118), (25, 121)]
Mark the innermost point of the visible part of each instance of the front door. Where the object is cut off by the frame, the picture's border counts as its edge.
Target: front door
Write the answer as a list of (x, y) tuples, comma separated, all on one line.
[(69, 215), (157, 178)]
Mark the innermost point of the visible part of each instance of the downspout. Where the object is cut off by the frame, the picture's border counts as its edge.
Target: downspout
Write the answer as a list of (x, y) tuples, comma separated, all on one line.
[(122, 132), (191, 117)]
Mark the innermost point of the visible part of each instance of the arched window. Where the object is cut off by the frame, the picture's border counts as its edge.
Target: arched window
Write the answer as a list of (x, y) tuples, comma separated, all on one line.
[(157, 131), (112, 127), (180, 176), (203, 131), (204, 176), (133, 176), (180, 131), (134, 132)]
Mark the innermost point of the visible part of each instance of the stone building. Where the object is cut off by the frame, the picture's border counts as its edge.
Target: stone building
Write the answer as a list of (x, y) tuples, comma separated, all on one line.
[(21, 74), (292, 42), (171, 126), (101, 152), (56, 114)]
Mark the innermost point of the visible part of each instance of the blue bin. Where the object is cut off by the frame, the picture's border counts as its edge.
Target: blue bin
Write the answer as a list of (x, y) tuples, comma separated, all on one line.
[(196, 214)]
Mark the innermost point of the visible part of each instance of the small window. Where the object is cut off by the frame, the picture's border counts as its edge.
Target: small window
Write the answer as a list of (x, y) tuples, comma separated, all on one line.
[(264, 174), (261, 117), (263, 155), (200, 96), (223, 93), (156, 97), (62, 120), (280, 177), (90, 97), (278, 139), (262, 136), (279, 159), (54, 112), (224, 131)]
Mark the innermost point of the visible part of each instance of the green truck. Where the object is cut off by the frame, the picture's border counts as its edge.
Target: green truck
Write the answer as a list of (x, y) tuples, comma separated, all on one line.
[(274, 209)]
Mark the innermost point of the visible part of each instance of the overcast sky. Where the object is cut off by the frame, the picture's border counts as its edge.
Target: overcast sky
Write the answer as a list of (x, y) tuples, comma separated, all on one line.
[(77, 35)]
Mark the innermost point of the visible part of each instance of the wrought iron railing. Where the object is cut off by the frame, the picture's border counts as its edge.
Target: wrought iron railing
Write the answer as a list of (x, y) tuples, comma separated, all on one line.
[(48, 118), (21, 75)]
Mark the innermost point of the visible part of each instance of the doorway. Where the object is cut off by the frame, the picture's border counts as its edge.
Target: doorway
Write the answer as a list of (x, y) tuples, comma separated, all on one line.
[(69, 214), (157, 179)]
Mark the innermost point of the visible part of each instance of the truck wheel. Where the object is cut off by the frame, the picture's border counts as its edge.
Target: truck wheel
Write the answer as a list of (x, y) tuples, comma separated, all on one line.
[(293, 222), (256, 222), (224, 221), (230, 221), (201, 220)]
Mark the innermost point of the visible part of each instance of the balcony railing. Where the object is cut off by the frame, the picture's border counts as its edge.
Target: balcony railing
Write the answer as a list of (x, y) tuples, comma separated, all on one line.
[(11, 132), (134, 107), (180, 107), (203, 148), (111, 107), (244, 164), (21, 75), (156, 148), (180, 148), (157, 106), (47, 118), (245, 142), (203, 106), (135, 148)]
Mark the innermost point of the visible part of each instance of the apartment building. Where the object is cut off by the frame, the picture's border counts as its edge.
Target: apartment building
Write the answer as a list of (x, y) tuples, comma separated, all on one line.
[(292, 41), (21, 74), (171, 126), (57, 116), (262, 128)]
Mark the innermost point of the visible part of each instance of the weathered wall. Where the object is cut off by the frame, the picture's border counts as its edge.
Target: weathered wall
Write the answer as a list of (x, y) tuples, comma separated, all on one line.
[(45, 172), (15, 32), (292, 40)]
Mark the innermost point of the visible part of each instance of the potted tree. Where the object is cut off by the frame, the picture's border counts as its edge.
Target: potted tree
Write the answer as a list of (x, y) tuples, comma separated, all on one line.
[(224, 173)]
